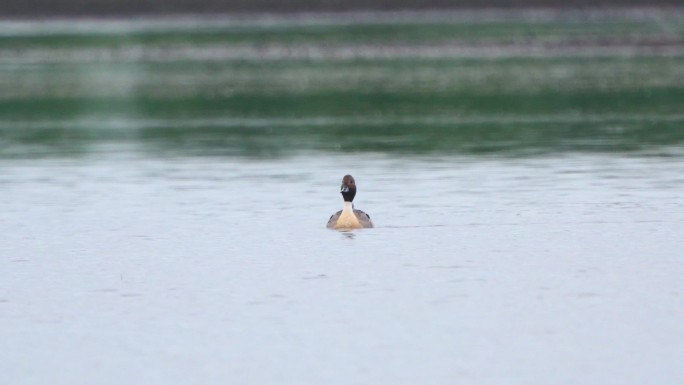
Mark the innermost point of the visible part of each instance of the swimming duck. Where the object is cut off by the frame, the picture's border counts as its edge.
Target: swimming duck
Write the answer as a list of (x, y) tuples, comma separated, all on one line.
[(348, 218)]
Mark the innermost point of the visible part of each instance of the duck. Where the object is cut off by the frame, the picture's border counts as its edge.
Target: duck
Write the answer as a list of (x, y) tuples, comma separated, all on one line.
[(349, 218)]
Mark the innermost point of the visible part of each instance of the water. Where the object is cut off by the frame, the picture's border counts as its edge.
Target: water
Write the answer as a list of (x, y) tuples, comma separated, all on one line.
[(163, 214)]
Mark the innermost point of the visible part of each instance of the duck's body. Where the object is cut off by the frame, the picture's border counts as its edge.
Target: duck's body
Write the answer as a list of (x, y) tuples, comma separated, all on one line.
[(349, 218)]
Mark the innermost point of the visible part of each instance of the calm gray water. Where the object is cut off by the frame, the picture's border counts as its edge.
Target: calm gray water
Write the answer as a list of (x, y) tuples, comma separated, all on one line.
[(165, 185), (220, 270)]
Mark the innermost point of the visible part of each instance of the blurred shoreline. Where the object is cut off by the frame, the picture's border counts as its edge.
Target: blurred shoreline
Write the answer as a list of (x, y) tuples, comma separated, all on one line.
[(481, 83), (13, 9)]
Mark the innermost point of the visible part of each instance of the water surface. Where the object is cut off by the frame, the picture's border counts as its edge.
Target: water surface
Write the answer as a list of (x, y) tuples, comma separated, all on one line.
[(166, 184)]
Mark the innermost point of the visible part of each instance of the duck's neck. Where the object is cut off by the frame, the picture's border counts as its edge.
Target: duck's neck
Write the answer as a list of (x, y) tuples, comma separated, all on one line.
[(348, 206)]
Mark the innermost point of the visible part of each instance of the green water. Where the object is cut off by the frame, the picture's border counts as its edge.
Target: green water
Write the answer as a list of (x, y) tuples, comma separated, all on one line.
[(475, 83)]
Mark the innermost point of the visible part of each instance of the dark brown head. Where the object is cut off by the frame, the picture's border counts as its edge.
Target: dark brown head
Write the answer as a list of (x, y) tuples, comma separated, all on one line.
[(348, 188)]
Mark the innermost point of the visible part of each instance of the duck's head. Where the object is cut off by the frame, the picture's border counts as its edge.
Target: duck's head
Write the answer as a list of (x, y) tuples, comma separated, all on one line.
[(348, 188)]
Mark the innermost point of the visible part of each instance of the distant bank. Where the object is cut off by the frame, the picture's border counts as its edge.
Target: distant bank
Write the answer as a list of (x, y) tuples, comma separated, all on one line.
[(47, 8)]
